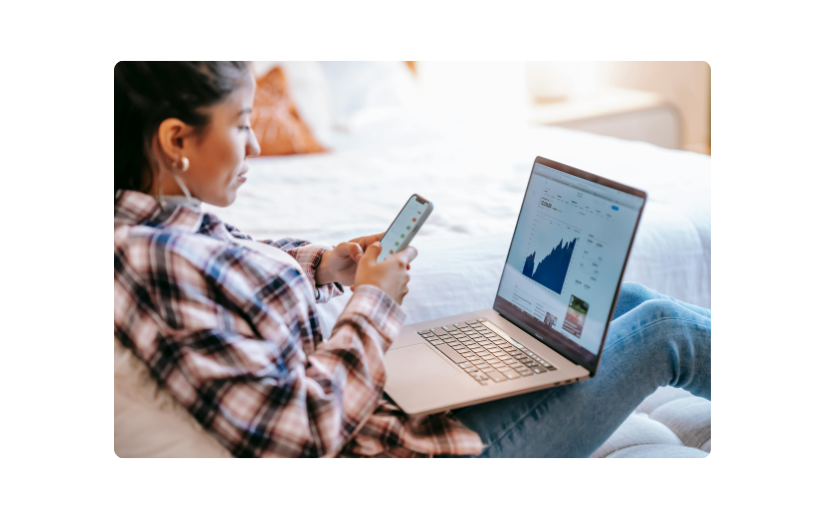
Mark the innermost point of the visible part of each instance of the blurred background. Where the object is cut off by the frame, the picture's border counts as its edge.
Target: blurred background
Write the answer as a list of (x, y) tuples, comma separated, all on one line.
[(666, 103), (303, 106)]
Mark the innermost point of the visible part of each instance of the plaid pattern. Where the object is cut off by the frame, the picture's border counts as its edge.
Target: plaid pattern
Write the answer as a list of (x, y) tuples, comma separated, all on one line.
[(234, 336)]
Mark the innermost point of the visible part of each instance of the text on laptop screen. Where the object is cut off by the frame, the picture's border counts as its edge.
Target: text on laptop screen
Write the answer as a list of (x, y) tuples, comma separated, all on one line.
[(567, 256)]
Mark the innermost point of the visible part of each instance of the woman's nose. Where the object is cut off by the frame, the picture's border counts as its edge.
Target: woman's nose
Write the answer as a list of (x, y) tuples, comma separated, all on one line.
[(253, 149)]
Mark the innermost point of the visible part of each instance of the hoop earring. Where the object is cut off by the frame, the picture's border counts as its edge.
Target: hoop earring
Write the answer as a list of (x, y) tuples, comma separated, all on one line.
[(184, 165)]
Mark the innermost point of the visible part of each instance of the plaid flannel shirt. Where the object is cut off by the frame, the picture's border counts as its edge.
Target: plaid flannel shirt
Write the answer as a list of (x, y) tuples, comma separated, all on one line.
[(234, 336)]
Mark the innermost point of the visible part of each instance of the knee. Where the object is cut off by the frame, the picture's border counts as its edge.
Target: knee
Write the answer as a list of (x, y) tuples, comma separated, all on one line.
[(634, 290), (659, 310)]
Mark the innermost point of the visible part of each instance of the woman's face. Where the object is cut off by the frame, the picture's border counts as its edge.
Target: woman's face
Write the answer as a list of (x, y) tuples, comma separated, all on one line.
[(217, 155)]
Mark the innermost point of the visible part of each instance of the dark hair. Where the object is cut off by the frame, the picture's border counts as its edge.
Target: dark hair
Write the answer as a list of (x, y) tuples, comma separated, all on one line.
[(148, 92)]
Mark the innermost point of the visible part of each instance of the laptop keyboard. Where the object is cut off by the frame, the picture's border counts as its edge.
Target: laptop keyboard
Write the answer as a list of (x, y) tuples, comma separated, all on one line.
[(483, 354)]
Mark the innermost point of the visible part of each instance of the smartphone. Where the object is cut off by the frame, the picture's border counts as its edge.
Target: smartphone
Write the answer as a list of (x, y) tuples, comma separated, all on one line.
[(405, 226)]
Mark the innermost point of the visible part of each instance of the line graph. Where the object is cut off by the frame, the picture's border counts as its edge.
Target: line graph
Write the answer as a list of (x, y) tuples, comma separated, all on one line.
[(549, 247), (552, 269)]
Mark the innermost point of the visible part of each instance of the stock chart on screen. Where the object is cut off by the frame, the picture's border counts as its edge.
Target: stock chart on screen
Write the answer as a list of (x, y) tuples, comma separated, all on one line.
[(551, 270)]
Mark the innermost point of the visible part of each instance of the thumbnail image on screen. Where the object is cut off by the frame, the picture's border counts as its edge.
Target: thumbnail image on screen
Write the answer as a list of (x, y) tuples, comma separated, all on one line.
[(574, 320)]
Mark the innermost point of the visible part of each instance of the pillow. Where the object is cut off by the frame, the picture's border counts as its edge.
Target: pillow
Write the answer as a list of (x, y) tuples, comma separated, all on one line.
[(275, 120), (149, 422), (362, 92), (308, 90)]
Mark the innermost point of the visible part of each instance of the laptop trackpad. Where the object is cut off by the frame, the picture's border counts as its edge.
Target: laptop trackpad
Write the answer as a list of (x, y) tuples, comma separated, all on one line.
[(417, 366)]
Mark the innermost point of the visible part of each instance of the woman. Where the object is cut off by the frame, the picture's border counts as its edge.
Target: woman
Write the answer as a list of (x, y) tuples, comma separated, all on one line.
[(230, 327)]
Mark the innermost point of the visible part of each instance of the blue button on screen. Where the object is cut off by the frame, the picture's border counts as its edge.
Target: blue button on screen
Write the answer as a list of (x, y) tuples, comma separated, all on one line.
[(615, 208)]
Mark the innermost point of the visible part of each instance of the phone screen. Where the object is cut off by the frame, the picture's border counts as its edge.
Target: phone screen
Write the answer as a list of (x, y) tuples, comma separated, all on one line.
[(401, 231)]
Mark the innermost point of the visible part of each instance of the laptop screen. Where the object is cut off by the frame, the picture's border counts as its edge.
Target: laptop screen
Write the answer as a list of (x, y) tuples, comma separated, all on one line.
[(566, 259)]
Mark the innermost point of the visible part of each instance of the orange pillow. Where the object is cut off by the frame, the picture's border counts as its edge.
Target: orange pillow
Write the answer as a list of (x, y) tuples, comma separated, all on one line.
[(275, 121)]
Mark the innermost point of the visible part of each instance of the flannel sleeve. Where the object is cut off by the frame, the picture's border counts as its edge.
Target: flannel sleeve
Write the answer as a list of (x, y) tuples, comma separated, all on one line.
[(306, 254), (308, 257), (240, 355)]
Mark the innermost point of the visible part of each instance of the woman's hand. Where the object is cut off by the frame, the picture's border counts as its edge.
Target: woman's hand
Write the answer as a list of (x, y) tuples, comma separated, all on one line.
[(390, 275), (339, 264)]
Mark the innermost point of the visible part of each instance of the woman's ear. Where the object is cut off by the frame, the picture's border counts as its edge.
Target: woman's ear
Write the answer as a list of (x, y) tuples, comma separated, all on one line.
[(173, 135)]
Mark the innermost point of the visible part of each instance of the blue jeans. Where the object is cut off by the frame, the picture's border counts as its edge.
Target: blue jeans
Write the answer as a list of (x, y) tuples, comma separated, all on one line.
[(653, 340)]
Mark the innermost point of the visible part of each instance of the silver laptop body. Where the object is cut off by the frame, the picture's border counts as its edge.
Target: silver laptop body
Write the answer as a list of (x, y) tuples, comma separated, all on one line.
[(553, 306)]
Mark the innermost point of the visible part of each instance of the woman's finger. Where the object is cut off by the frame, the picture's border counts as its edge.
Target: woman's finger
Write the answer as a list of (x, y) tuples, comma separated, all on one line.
[(353, 250), (374, 237), (366, 241), (407, 255)]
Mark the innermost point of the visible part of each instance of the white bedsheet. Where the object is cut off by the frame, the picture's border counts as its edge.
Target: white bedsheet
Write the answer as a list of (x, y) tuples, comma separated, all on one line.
[(476, 179)]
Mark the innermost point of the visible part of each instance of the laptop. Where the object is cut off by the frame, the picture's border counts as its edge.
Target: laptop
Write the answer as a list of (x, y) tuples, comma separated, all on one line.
[(552, 309)]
